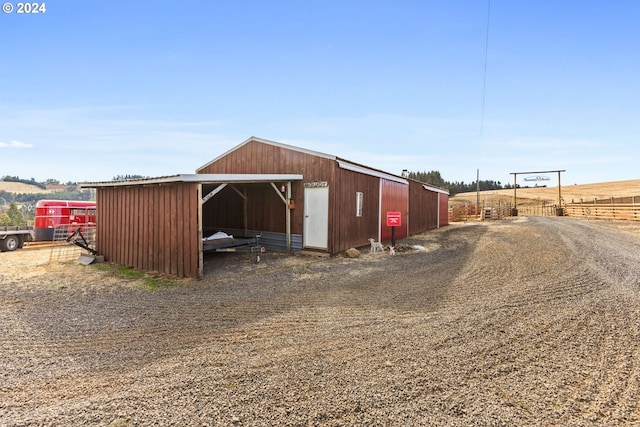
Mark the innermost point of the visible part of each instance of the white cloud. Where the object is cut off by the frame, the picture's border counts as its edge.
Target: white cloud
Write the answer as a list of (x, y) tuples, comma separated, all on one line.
[(15, 144)]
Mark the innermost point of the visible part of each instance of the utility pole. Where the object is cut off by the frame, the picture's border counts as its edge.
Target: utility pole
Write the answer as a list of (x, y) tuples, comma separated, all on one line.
[(477, 192)]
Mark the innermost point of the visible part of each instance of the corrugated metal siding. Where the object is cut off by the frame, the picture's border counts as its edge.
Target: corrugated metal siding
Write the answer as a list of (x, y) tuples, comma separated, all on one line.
[(395, 198), (423, 208), (152, 228), (350, 230)]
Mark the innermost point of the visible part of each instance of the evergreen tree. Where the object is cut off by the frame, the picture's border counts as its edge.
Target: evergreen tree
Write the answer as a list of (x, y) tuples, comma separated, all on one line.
[(13, 216), (434, 178)]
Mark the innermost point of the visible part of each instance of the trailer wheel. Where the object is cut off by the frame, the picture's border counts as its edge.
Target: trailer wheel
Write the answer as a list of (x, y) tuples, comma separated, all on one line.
[(9, 243)]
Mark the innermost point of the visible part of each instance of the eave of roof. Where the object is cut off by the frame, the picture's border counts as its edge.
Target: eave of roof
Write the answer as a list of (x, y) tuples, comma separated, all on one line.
[(435, 189), (201, 178), (354, 167)]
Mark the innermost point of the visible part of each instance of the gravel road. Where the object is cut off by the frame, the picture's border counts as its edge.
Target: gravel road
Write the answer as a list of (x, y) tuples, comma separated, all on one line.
[(532, 321)]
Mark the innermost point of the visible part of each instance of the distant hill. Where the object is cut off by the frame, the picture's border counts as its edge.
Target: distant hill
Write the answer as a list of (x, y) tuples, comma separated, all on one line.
[(21, 188), (570, 192)]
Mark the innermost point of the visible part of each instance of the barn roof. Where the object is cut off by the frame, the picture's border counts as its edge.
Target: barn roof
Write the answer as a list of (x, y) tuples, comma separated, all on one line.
[(342, 163), (255, 178)]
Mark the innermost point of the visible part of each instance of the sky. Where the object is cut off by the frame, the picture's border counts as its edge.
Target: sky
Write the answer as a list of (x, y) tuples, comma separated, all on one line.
[(95, 89)]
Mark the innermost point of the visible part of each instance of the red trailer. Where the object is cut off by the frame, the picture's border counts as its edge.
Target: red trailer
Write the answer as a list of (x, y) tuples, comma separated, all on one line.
[(67, 215), (52, 214)]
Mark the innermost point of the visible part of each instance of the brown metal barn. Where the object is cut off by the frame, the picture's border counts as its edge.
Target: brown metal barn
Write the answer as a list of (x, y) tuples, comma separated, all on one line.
[(297, 199)]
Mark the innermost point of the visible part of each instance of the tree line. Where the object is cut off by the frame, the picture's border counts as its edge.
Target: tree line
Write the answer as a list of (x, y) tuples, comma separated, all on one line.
[(434, 178), (13, 216)]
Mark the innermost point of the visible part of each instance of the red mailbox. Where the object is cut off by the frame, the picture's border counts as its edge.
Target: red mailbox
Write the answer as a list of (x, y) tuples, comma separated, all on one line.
[(394, 219)]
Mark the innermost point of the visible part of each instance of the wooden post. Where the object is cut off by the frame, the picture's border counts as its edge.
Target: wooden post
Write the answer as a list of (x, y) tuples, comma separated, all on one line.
[(245, 212), (393, 236), (477, 192), (515, 198), (200, 267), (559, 211)]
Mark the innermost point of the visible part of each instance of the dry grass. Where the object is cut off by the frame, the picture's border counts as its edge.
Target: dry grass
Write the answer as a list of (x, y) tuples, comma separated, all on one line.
[(21, 188), (550, 194)]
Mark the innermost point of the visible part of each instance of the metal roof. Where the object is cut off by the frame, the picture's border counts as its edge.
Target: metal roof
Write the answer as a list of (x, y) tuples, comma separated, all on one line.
[(369, 171), (202, 178), (435, 189)]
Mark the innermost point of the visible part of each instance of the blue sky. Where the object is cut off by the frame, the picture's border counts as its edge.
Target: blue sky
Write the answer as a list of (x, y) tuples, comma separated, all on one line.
[(94, 89)]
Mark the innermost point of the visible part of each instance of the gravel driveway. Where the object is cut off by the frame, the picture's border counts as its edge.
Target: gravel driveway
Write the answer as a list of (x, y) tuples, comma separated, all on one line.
[(533, 321)]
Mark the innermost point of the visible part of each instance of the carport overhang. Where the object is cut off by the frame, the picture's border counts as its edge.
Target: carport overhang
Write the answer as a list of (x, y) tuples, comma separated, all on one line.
[(202, 178), (219, 181)]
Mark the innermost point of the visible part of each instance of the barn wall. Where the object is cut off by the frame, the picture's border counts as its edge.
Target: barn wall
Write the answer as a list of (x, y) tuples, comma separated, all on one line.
[(151, 228), (395, 198), (265, 210), (423, 208), (224, 210), (256, 157), (350, 230)]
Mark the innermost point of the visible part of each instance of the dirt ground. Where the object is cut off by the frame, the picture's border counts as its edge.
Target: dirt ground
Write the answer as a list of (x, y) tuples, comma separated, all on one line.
[(530, 321)]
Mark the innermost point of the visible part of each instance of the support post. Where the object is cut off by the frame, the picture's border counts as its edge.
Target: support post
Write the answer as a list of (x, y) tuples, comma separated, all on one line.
[(514, 211), (477, 192), (560, 210), (245, 212), (286, 201)]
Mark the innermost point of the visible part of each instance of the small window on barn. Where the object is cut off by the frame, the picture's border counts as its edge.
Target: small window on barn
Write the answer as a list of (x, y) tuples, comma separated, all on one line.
[(359, 199)]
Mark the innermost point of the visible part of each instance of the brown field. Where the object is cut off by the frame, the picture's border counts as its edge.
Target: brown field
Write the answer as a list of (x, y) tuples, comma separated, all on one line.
[(21, 188), (574, 192)]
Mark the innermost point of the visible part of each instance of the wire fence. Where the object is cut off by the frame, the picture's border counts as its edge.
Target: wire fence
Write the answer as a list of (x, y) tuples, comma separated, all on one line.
[(64, 250)]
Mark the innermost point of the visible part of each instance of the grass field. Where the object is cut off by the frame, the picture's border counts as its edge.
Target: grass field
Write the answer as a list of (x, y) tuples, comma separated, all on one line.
[(537, 195), (21, 188)]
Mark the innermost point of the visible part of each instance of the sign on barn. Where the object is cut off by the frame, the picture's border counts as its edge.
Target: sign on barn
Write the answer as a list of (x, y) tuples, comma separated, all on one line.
[(394, 219)]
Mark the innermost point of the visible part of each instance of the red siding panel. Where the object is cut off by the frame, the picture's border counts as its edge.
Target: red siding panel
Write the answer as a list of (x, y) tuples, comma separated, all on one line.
[(350, 230), (423, 208), (444, 210), (395, 198)]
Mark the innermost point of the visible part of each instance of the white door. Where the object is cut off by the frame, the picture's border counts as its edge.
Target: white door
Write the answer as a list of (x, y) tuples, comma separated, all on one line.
[(316, 217)]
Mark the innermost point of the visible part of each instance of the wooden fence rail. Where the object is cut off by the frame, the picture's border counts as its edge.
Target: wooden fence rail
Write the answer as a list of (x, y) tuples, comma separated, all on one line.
[(622, 211), (602, 211)]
